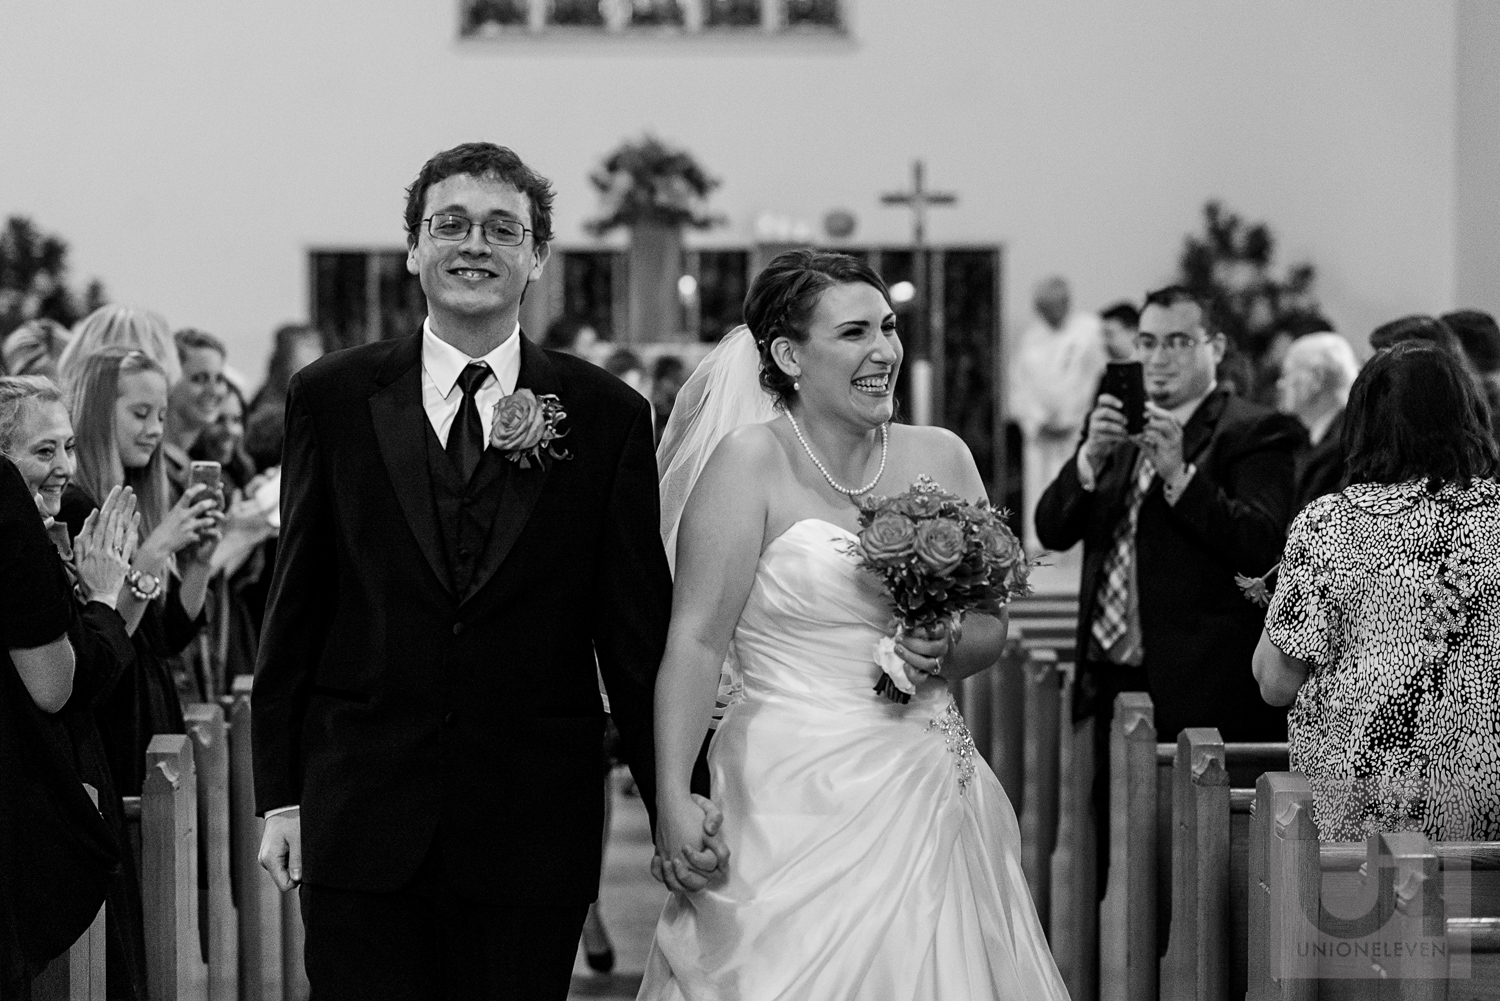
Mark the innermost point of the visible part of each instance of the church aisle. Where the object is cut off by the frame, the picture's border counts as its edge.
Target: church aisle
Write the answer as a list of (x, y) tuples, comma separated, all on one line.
[(631, 902)]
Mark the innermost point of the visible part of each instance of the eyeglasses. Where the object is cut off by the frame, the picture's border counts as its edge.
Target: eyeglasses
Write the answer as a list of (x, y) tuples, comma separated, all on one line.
[(497, 232), (1172, 344)]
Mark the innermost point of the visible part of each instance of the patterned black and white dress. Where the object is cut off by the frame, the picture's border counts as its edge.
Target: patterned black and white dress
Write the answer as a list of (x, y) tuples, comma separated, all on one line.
[(1392, 595)]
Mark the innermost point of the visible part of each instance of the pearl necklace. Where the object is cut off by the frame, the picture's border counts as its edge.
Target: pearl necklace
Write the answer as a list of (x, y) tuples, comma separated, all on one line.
[(885, 446)]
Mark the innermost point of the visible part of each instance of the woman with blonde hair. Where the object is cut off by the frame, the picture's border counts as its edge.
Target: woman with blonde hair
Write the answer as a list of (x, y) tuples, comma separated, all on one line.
[(118, 403), (122, 327)]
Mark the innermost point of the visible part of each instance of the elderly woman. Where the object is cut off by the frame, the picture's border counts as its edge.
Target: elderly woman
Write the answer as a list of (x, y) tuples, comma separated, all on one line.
[(36, 436), (1384, 631)]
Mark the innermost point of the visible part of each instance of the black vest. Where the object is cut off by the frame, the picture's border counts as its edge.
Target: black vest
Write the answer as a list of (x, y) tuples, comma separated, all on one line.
[(465, 514)]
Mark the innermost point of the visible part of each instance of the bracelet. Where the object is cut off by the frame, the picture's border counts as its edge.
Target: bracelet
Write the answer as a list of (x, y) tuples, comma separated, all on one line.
[(134, 578)]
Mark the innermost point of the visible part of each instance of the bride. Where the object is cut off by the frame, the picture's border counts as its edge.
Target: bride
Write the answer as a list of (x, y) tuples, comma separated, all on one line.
[(865, 849)]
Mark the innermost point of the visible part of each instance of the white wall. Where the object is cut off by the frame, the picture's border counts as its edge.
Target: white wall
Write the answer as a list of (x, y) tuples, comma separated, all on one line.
[(192, 153), (1478, 166)]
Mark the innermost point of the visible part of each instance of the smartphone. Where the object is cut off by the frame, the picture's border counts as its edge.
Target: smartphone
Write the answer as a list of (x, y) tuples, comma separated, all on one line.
[(209, 473), (1126, 382)]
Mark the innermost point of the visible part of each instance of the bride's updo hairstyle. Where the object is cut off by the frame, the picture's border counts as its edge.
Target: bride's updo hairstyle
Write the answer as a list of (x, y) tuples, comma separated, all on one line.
[(782, 299)]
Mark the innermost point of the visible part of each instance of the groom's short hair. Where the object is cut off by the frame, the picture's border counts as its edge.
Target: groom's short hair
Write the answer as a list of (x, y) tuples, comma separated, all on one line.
[(483, 160)]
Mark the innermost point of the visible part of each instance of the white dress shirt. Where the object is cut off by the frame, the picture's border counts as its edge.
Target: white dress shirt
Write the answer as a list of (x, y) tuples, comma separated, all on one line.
[(442, 363)]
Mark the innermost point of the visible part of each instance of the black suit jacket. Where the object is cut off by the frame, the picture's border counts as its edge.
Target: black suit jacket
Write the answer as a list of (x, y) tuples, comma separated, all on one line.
[(396, 712), (1199, 632), (1320, 467)]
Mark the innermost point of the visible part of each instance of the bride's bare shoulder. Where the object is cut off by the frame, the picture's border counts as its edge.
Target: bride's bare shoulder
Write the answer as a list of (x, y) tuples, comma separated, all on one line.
[(940, 454), (745, 455)]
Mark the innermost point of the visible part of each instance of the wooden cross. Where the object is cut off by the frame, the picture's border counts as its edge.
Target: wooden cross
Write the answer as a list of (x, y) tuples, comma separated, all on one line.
[(919, 198)]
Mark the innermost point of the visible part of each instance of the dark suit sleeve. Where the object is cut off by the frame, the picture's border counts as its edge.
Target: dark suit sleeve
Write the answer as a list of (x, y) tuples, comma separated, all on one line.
[(1063, 512), (1242, 513), (635, 603), (299, 612)]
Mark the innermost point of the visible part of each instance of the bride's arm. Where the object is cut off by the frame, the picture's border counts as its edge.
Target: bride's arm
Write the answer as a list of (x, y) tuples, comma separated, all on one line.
[(718, 548), (983, 636)]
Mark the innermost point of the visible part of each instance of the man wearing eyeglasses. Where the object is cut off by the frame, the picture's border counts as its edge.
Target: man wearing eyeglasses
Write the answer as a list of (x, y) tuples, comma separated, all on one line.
[(1168, 517), (428, 723)]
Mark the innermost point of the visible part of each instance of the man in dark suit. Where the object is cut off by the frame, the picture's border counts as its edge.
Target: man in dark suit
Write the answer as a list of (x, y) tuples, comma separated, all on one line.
[(1316, 375), (1167, 518), (428, 723)]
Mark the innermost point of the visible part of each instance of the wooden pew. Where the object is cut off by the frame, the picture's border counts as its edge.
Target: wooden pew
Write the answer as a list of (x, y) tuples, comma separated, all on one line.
[(1074, 928), (1293, 874), (993, 704), (1128, 914), (270, 925), (1041, 761), (220, 921), (175, 969), (78, 974)]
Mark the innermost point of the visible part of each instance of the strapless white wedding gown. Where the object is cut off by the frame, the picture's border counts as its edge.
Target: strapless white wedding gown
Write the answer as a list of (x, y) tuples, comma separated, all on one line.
[(874, 853)]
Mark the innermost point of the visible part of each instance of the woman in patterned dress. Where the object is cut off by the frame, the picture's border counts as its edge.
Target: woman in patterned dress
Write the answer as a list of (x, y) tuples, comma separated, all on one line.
[(1384, 632)]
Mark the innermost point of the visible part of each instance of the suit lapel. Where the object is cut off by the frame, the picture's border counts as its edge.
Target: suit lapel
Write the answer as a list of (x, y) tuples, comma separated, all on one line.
[(520, 488), (396, 409), (1199, 430)]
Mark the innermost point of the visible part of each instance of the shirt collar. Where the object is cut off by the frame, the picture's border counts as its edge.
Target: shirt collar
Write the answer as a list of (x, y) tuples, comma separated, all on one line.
[(1318, 429), (444, 363)]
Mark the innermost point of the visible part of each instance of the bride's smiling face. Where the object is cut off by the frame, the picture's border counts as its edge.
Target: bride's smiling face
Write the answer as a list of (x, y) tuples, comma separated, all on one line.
[(852, 355)]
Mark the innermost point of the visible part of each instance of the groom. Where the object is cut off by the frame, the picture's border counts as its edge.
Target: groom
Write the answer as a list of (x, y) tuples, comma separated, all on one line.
[(428, 725)]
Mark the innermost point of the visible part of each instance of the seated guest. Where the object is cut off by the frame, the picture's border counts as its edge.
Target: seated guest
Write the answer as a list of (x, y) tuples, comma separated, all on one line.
[(1384, 630), (33, 348), (223, 441), (573, 335), (297, 346), (118, 407), (193, 400), (119, 327), (57, 859), (1167, 517), (667, 377), (1316, 374), (625, 365), (1480, 337), (37, 435), (1119, 325)]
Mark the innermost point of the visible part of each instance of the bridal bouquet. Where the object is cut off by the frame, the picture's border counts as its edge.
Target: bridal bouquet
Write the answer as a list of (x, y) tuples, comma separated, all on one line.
[(939, 556)]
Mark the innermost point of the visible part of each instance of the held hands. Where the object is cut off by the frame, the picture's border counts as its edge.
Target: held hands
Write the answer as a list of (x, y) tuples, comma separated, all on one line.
[(690, 848), (104, 546), (281, 849), (1161, 440)]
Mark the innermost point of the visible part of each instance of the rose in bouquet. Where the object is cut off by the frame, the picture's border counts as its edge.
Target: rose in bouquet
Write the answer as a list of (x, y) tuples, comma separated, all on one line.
[(939, 556)]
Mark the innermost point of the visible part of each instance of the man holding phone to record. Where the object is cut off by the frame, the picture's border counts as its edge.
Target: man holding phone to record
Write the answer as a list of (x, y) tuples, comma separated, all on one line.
[(1177, 486)]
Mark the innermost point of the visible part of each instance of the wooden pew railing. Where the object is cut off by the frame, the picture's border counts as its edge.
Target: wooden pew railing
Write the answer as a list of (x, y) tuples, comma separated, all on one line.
[(175, 969), (1172, 923), (217, 928), (1440, 901)]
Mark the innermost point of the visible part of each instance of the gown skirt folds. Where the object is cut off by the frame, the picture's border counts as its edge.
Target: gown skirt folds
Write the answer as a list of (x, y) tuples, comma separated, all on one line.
[(874, 854)]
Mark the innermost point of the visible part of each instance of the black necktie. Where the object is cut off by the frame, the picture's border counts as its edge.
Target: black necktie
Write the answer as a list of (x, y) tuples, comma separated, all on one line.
[(466, 436)]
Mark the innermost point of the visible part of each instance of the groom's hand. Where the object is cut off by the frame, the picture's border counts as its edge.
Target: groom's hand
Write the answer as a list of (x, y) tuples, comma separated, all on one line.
[(691, 869), (281, 849)]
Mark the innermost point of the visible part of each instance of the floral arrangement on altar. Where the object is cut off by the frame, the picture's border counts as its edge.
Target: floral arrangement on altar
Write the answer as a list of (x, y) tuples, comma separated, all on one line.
[(939, 557)]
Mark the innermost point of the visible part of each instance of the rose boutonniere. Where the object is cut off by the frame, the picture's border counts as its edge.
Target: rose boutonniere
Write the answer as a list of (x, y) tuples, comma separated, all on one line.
[(526, 427)]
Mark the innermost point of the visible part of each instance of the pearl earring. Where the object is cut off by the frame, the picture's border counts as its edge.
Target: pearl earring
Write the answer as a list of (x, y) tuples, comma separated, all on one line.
[(796, 386)]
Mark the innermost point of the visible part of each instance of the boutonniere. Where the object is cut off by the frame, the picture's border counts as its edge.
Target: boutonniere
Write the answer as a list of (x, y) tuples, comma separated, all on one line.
[(526, 426), (1258, 590)]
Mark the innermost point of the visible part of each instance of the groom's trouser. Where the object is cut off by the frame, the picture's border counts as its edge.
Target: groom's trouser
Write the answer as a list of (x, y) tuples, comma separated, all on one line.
[(425, 943)]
